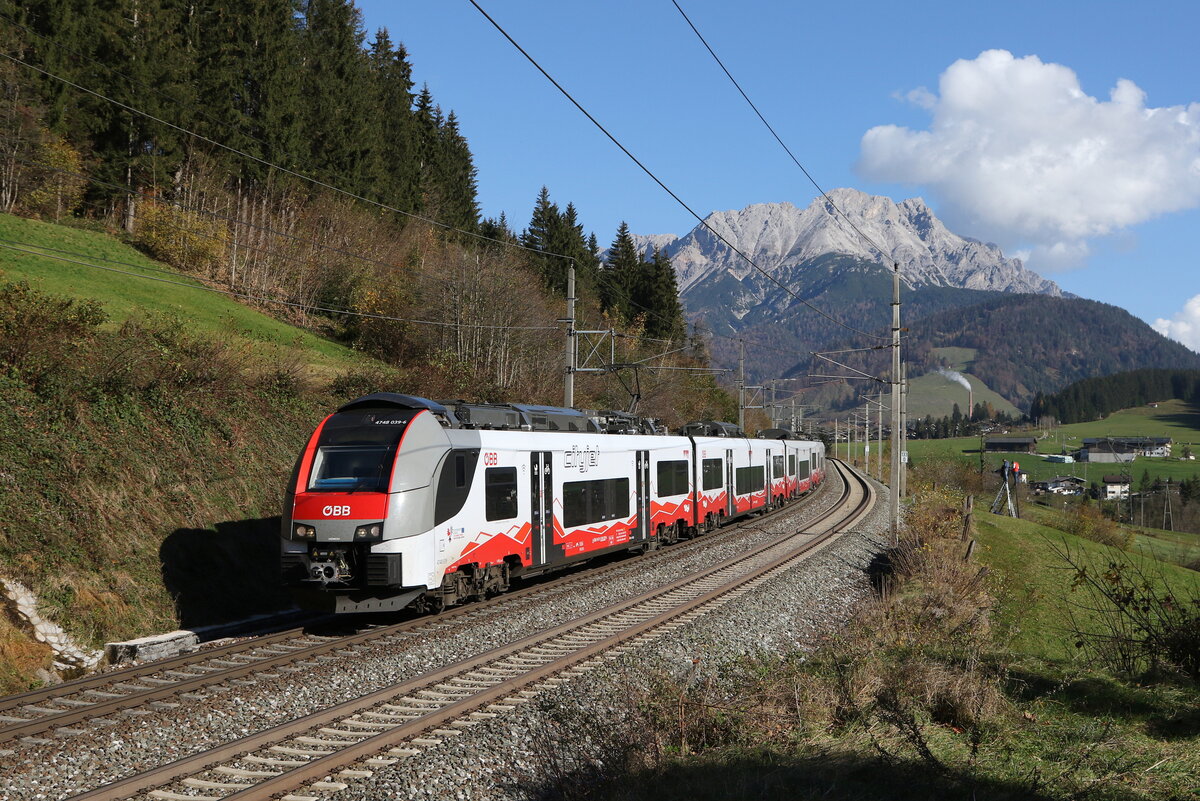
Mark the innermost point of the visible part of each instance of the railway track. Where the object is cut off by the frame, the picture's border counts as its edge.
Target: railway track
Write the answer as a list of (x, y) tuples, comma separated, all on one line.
[(58, 710), (311, 756)]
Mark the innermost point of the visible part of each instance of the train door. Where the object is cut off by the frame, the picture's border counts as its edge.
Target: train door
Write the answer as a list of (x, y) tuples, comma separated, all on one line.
[(730, 505), (643, 496), (769, 475), (541, 505)]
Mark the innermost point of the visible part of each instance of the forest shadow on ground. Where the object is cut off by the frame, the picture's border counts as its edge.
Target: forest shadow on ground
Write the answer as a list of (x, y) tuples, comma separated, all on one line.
[(1189, 419), (1101, 697), (769, 776), (227, 572)]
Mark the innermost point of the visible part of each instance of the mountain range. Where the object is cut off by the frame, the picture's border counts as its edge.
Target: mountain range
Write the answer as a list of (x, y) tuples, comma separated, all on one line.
[(780, 236), (837, 254)]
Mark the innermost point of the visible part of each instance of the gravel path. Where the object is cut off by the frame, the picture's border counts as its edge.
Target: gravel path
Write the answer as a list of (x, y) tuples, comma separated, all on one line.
[(104, 750)]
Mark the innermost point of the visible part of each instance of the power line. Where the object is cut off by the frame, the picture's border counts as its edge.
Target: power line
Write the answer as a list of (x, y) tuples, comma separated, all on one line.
[(264, 250), (11, 244), (216, 215), (445, 226), (786, 149), (267, 229), (310, 243), (658, 181), (285, 170), (113, 71)]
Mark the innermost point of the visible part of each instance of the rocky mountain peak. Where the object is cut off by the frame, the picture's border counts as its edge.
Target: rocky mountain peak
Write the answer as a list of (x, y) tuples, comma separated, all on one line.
[(780, 235)]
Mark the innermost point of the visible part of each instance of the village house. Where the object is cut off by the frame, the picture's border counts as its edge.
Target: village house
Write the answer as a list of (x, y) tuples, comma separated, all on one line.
[(1115, 487), (1060, 485)]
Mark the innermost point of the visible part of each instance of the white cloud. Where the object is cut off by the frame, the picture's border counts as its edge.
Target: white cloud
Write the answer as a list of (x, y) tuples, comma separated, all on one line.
[(1019, 154), (1184, 326)]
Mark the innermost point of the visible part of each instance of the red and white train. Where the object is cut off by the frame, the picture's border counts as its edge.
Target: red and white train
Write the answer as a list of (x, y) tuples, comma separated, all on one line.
[(399, 500)]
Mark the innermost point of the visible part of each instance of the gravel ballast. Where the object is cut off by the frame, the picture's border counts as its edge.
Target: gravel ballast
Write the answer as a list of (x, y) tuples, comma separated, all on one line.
[(499, 757), (518, 756)]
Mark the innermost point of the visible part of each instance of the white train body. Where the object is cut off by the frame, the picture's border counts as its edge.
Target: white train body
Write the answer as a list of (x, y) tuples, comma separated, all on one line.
[(392, 504)]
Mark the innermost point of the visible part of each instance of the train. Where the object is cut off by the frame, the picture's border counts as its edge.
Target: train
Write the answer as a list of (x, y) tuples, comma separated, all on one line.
[(399, 501)]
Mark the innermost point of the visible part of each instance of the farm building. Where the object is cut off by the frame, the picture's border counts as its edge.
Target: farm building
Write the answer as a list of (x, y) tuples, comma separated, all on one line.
[(1010, 444)]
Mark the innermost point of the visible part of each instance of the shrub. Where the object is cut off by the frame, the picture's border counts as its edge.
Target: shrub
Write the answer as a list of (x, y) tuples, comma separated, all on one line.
[(55, 187), (184, 239), (1130, 620), (1086, 521), (41, 335)]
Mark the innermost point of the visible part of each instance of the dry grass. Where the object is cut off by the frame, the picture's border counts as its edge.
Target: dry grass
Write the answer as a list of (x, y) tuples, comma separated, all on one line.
[(913, 699)]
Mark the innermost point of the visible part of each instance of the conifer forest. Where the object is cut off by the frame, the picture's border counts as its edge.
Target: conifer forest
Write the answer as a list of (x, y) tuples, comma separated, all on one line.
[(281, 152)]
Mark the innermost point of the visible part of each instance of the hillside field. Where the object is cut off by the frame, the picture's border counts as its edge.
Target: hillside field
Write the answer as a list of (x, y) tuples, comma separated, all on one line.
[(1172, 418), (149, 449), (133, 285), (935, 394)]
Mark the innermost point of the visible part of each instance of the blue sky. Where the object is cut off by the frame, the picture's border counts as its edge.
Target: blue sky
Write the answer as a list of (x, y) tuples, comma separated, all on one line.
[(986, 149)]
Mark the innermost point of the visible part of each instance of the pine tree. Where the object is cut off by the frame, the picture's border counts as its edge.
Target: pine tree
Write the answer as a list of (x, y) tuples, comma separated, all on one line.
[(497, 229), (665, 314), (455, 176), (395, 162), (620, 274), (337, 97), (538, 234), (245, 82)]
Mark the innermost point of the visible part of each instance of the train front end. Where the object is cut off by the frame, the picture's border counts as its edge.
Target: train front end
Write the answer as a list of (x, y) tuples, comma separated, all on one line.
[(358, 502)]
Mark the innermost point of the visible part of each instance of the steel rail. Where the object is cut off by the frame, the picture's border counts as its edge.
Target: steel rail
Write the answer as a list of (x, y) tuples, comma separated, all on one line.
[(502, 688), (49, 719)]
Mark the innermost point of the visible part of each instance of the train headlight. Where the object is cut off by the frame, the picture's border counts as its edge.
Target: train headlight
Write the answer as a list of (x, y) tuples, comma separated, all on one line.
[(370, 531), (305, 532)]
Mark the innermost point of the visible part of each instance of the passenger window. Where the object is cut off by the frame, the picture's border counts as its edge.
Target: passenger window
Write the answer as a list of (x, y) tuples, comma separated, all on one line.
[(500, 493)]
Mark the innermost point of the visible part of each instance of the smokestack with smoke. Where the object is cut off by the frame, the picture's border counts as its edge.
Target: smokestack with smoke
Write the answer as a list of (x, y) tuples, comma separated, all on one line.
[(959, 378)]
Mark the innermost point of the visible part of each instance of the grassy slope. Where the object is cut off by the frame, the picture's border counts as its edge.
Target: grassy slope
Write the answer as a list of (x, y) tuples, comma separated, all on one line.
[(1151, 727), (148, 463), (1037, 582), (959, 358), (1067, 731), (125, 296), (935, 394)]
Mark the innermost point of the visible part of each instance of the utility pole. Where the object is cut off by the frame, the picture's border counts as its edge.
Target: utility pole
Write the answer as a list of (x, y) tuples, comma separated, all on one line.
[(569, 386), (895, 487), (903, 431), (742, 385), (867, 438), (880, 429)]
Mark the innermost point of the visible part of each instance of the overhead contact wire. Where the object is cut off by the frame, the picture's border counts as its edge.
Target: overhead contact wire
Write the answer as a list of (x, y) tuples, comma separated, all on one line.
[(444, 226), (786, 149), (660, 183)]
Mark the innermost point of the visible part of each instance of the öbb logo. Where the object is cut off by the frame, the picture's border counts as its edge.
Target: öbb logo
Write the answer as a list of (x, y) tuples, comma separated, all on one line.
[(490, 459), (336, 511)]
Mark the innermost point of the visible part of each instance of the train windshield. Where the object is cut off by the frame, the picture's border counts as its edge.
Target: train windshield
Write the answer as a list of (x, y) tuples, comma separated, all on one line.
[(356, 450)]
